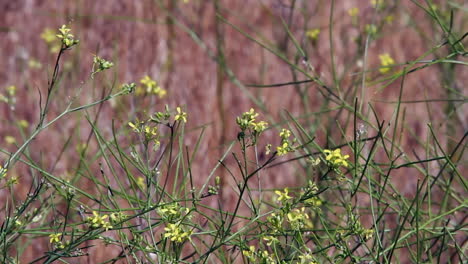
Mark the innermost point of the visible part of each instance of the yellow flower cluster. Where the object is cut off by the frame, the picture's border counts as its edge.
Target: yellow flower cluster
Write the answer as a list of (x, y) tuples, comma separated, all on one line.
[(258, 256), (151, 87), (175, 233), (297, 218), (55, 239), (98, 221), (3, 171), (283, 196), (247, 121), (9, 98), (150, 133), (181, 115), (335, 158), (172, 212), (66, 37), (286, 145), (385, 60)]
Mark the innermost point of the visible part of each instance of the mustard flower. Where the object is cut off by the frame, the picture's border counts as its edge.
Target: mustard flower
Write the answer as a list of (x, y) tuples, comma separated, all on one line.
[(389, 19), (66, 37), (10, 140), (175, 233), (260, 126), (98, 221), (385, 60), (285, 133), (283, 196), (335, 158), (313, 201), (250, 253), (148, 81), (55, 238), (152, 87), (117, 217), (141, 182), (270, 240), (247, 119), (353, 12), (297, 218), (283, 149), (180, 116), (23, 123), (286, 145), (313, 33)]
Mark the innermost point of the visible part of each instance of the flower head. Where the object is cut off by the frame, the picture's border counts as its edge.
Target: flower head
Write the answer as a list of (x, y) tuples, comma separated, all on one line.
[(180, 116), (353, 12), (385, 60), (283, 196), (313, 33), (335, 158), (175, 233), (55, 238), (152, 87), (66, 37)]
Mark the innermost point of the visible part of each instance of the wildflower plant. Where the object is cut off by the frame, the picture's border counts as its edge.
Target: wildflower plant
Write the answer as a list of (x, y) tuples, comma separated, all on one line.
[(250, 127), (137, 187)]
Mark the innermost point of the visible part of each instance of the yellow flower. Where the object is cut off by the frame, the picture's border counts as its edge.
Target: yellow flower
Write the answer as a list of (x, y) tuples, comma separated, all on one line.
[(55, 238), (148, 81), (335, 158), (283, 196), (11, 90), (97, 221), (313, 33), (3, 171), (181, 116), (141, 182), (285, 133), (250, 253), (10, 139), (353, 12), (283, 149), (23, 123), (175, 233), (66, 37), (260, 126), (385, 60), (389, 19)]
